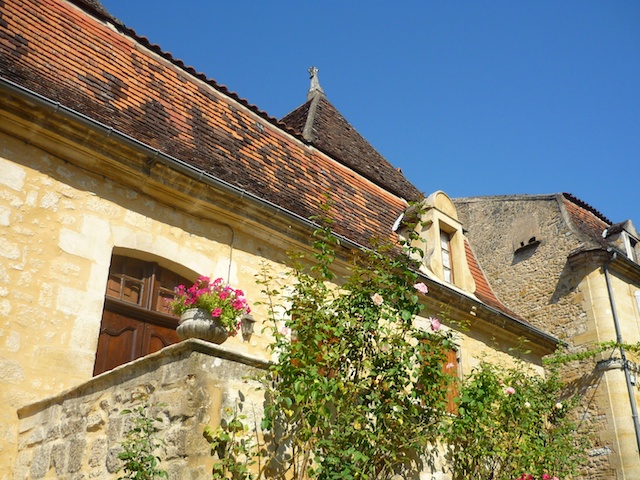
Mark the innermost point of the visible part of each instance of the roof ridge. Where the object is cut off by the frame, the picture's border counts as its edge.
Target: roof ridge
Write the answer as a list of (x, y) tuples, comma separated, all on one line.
[(514, 196), (307, 133), (103, 14), (586, 206)]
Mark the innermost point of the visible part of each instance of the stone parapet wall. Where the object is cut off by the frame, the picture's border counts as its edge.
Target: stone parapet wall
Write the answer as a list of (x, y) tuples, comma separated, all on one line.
[(77, 434)]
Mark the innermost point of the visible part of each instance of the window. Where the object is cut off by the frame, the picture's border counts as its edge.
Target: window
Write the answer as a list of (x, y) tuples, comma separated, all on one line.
[(630, 245), (441, 240), (136, 319), (447, 265)]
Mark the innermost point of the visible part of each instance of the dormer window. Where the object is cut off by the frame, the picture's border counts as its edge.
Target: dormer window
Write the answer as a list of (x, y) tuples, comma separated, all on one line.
[(624, 237), (442, 241), (445, 250), (630, 244)]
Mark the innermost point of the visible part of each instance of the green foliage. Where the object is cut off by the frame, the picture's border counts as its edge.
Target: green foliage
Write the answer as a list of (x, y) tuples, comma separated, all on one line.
[(512, 422), (233, 445), (139, 446), (358, 391), (562, 357)]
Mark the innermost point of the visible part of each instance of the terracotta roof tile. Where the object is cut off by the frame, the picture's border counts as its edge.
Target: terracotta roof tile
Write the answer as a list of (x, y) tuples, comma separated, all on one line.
[(331, 132), (69, 57), (588, 221), (483, 289), (57, 51)]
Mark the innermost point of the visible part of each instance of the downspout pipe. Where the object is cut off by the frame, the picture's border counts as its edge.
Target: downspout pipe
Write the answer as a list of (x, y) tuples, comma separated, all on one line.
[(625, 363)]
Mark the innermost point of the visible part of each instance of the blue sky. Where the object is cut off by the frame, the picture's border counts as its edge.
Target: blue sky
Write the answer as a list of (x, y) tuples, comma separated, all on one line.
[(473, 98)]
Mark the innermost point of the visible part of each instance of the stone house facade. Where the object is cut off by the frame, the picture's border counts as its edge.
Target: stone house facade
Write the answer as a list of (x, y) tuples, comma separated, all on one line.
[(124, 173), (570, 271)]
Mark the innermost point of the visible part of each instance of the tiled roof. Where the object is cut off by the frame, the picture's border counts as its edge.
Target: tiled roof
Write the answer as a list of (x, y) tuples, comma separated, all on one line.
[(483, 290), (57, 51), (121, 80), (588, 221), (322, 125)]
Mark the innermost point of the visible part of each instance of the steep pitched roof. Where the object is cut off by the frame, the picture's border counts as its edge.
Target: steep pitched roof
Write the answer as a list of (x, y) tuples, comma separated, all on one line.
[(589, 222), (103, 70), (321, 124), (484, 292), (97, 67)]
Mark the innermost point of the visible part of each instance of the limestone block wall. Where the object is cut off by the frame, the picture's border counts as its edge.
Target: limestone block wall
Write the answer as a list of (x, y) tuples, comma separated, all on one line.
[(77, 434), (59, 226)]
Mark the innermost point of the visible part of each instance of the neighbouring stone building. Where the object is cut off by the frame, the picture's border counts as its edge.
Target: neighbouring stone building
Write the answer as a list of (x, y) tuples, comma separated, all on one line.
[(570, 271), (124, 173)]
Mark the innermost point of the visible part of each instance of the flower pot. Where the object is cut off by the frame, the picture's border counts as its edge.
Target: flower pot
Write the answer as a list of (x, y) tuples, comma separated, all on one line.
[(198, 323)]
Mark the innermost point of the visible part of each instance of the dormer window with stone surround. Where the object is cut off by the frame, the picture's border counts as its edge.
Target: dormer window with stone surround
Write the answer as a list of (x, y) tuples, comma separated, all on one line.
[(445, 250), (625, 238), (442, 242)]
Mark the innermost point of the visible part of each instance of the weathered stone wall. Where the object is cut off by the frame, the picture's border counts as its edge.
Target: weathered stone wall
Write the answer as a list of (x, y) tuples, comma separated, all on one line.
[(77, 434), (533, 282), (569, 299)]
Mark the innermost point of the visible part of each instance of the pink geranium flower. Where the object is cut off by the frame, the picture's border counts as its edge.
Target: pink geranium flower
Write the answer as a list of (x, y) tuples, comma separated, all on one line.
[(220, 300)]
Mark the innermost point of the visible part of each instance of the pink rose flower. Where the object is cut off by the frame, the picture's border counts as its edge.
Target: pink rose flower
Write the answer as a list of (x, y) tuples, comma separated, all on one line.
[(509, 390), (435, 324), (421, 287), (377, 299)]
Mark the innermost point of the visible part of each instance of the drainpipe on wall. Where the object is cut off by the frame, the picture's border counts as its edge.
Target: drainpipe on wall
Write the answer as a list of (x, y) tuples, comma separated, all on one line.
[(625, 363)]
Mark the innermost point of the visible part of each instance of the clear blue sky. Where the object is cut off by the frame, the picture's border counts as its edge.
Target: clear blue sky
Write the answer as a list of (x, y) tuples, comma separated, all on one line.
[(473, 98)]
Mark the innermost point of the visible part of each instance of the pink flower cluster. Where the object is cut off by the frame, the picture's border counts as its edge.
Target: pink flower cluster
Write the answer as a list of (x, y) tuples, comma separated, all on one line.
[(435, 323), (219, 299), (421, 287)]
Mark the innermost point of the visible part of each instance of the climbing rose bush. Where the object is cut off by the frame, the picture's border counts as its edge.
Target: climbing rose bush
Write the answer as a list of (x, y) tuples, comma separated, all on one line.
[(358, 391), (511, 420)]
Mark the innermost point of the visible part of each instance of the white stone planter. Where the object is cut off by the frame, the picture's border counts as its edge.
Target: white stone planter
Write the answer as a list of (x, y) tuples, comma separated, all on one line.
[(198, 323)]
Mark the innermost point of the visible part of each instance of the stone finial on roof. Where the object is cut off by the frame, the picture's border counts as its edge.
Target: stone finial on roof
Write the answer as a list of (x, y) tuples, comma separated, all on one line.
[(315, 83)]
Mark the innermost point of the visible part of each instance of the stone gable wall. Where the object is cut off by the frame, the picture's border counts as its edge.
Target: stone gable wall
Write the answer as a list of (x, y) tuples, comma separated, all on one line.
[(569, 299), (534, 282)]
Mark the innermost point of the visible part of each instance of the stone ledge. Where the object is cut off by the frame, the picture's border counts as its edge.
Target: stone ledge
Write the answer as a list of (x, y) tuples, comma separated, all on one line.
[(169, 354)]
